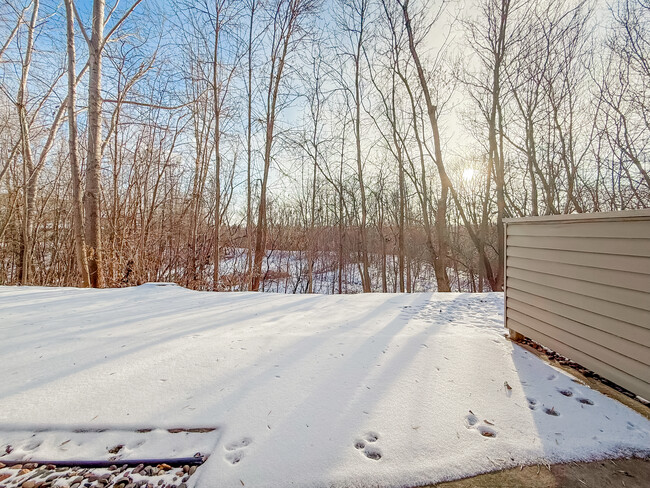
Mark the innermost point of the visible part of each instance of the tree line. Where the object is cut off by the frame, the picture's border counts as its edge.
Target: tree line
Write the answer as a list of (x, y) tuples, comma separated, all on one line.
[(310, 146)]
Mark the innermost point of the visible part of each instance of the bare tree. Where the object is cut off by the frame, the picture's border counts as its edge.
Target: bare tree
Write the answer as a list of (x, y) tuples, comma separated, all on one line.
[(624, 104), (30, 174), (445, 183), (77, 204), (92, 195), (249, 146), (353, 20), (374, 170), (287, 16)]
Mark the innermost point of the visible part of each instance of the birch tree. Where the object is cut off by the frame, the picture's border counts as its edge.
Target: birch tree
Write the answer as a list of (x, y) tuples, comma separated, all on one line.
[(73, 147)]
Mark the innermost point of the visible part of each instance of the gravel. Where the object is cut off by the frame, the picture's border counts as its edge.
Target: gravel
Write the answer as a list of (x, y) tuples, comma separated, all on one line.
[(31, 475)]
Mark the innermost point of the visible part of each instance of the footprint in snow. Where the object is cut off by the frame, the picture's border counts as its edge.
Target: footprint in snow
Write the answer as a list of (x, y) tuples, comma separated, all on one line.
[(470, 420), (365, 445), (485, 428), (235, 450), (136, 444), (33, 445), (234, 457), (551, 411), (240, 444), (585, 401), (566, 392), (371, 452), (486, 431), (532, 403), (371, 437)]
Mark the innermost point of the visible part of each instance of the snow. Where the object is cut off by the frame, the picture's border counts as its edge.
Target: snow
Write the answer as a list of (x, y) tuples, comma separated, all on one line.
[(302, 390)]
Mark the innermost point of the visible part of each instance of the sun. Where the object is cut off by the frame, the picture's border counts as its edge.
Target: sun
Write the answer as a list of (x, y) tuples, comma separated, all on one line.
[(468, 174)]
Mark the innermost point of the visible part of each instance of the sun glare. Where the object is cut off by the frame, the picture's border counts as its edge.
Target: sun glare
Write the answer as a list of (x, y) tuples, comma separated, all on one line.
[(468, 174)]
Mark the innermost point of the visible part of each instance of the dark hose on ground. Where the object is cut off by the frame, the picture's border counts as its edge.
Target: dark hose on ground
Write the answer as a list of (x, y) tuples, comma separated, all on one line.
[(106, 464)]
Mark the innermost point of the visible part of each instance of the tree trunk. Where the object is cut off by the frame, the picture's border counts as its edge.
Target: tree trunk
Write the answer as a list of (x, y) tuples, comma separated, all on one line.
[(80, 243), (217, 139), (440, 264), (402, 185), (288, 18), (93, 169), (249, 153), (260, 231), (30, 176), (496, 147), (311, 239), (365, 276)]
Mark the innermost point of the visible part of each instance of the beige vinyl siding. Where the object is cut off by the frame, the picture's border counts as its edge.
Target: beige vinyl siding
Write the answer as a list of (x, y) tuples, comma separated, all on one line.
[(580, 285)]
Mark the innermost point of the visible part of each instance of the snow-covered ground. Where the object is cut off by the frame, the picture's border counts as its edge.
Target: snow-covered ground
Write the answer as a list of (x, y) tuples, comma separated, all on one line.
[(301, 390)]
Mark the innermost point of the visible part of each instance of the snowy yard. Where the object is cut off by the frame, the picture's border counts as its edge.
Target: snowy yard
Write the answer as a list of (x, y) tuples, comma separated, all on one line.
[(355, 390)]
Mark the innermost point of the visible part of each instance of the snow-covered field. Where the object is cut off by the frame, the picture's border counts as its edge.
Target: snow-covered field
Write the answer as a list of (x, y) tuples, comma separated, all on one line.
[(301, 390)]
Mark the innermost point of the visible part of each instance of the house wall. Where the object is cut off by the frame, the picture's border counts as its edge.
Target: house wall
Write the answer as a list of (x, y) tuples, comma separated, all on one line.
[(580, 285)]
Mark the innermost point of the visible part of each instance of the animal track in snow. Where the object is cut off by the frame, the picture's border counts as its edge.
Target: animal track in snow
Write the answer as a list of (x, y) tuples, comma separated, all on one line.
[(532, 403), (585, 401), (116, 449), (371, 452), (552, 412), (240, 444), (236, 450), (485, 428), (371, 437), (136, 444), (33, 445), (565, 392), (486, 431), (234, 457), (471, 420), (365, 445)]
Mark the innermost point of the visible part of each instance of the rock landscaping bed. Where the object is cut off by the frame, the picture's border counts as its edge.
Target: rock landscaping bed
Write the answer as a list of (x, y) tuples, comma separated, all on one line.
[(32, 475)]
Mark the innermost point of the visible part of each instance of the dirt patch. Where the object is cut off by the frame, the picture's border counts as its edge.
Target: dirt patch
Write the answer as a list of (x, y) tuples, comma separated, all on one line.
[(629, 473)]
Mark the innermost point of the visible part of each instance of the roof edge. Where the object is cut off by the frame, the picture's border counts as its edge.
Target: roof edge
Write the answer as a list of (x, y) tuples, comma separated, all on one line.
[(641, 214)]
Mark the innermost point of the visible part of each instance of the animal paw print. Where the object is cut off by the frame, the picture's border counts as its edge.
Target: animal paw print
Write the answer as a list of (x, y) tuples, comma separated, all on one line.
[(367, 447), (33, 445), (236, 450), (551, 411), (470, 420), (532, 403), (568, 392), (485, 428)]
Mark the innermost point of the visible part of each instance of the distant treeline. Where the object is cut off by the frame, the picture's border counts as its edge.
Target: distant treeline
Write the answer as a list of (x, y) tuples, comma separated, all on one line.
[(310, 146)]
